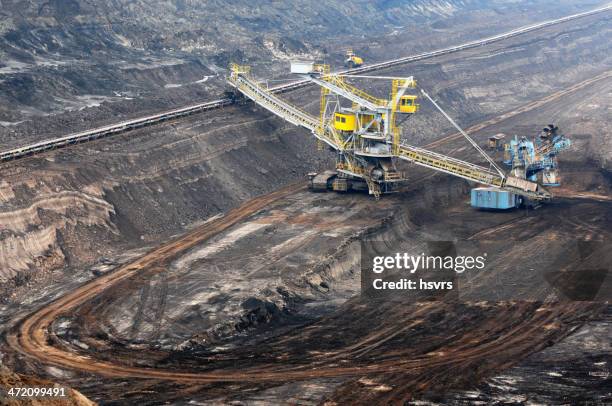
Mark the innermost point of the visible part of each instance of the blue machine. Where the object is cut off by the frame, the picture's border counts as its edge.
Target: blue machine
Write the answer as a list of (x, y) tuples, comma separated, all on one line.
[(522, 154), (527, 159), (494, 198)]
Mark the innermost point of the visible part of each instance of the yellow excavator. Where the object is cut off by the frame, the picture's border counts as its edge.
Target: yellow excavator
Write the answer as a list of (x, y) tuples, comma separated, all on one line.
[(367, 140), (352, 60)]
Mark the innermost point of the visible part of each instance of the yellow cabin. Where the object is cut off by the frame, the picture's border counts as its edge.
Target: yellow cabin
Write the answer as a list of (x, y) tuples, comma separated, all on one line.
[(344, 122), (407, 104)]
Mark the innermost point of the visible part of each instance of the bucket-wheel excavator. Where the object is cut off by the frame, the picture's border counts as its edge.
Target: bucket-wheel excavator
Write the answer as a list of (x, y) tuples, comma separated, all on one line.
[(366, 137)]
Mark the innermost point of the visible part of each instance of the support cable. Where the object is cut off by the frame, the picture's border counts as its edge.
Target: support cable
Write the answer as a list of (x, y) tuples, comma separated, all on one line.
[(467, 137)]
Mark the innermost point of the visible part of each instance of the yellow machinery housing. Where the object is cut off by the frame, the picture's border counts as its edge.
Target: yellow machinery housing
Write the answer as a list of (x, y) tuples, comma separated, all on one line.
[(344, 122), (349, 122), (407, 104)]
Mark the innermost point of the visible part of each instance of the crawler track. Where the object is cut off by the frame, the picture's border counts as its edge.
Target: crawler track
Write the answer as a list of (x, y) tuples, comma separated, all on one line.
[(129, 125)]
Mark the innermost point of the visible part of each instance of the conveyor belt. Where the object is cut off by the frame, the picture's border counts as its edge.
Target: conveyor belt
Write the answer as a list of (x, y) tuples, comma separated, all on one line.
[(287, 111)]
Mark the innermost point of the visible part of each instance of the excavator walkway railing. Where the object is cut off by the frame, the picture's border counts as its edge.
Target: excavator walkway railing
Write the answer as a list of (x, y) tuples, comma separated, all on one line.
[(241, 80), (450, 165)]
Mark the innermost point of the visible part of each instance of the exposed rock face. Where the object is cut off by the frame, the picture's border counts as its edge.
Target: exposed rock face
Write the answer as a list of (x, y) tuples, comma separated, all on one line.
[(77, 209), (43, 217), (77, 206), (16, 252)]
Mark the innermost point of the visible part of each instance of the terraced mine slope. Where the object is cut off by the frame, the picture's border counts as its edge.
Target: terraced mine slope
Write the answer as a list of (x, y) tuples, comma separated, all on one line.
[(188, 262), (65, 65)]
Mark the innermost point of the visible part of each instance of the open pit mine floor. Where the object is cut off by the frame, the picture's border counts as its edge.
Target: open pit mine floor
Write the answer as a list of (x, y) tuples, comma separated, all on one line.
[(259, 244), (266, 297)]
